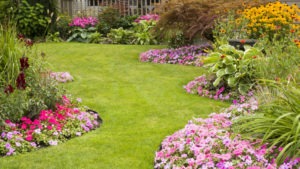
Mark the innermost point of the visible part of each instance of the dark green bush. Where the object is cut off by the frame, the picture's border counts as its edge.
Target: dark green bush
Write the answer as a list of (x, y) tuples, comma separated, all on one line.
[(111, 18), (31, 20), (62, 26)]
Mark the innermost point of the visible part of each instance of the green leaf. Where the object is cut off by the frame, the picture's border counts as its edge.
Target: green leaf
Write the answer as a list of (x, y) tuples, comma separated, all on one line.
[(249, 53), (83, 35), (230, 69), (217, 81), (228, 60), (227, 48), (231, 81), (244, 88), (91, 29), (220, 72)]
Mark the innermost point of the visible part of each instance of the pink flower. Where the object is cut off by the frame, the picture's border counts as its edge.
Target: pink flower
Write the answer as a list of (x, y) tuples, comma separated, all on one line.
[(28, 137), (253, 167)]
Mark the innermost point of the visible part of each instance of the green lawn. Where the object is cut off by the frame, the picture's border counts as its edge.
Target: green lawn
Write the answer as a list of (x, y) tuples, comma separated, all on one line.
[(140, 103)]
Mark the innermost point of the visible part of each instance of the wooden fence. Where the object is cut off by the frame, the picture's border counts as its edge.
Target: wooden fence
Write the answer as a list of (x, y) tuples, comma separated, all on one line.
[(94, 7), (126, 7)]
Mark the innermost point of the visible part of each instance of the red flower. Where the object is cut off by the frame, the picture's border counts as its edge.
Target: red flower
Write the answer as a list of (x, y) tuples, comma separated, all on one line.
[(24, 63), (21, 83), (28, 42), (254, 57), (292, 30), (223, 56), (21, 36), (9, 89), (49, 127), (7, 121), (242, 41), (24, 126), (28, 137)]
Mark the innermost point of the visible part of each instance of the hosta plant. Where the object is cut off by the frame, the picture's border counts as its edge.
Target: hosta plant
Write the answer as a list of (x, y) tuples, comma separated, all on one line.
[(234, 68)]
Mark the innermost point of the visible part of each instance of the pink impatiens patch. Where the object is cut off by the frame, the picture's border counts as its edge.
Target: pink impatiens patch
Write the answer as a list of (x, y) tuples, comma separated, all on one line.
[(189, 55), (49, 128)]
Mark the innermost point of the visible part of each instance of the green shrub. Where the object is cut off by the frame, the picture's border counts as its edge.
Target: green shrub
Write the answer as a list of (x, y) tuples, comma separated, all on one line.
[(111, 18), (31, 20), (143, 33), (62, 26), (281, 61), (81, 34), (120, 36), (108, 19)]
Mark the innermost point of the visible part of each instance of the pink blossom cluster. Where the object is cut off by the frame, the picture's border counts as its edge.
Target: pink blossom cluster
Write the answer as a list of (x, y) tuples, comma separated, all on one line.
[(189, 55), (148, 17), (84, 22), (209, 143), (201, 86), (49, 128), (62, 77)]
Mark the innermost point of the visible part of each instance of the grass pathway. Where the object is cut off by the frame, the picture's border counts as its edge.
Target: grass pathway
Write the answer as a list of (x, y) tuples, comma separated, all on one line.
[(141, 103)]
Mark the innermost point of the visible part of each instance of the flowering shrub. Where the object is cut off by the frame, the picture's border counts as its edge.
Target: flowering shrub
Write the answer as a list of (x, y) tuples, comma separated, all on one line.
[(148, 17), (49, 128), (210, 143), (272, 18), (84, 22), (189, 55), (62, 77)]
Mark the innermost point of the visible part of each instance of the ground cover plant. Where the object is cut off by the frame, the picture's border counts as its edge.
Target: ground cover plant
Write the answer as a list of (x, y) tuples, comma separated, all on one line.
[(149, 98), (189, 55)]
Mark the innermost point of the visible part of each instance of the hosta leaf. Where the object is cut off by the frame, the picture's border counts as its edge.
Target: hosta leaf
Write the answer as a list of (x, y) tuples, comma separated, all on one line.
[(227, 48), (217, 81), (249, 53), (231, 81), (83, 35), (220, 72), (230, 69), (228, 60)]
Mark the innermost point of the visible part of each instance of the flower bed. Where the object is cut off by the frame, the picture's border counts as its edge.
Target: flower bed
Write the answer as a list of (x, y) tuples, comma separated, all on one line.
[(49, 128), (190, 55), (210, 143), (62, 77)]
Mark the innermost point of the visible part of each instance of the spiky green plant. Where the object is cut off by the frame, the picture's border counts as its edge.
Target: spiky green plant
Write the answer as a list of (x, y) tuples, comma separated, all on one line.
[(11, 51), (277, 121)]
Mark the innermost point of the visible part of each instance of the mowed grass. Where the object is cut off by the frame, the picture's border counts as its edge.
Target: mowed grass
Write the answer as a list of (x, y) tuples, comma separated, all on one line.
[(140, 103)]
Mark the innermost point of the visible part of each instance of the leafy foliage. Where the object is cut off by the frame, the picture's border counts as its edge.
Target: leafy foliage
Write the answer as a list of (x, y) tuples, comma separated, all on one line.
[(234, 68), (31, 20), (81, 34)]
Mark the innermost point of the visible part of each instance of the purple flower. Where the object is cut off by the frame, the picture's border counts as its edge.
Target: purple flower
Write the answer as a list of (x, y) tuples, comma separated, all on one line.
[(53, 142)]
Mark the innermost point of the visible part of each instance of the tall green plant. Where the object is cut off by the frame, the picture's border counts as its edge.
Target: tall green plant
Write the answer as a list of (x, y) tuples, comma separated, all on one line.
[(281, 61), (277, 122), (11, 50)]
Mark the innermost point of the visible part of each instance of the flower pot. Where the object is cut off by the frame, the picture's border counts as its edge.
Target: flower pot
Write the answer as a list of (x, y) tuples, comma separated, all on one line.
[(239, 43)]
